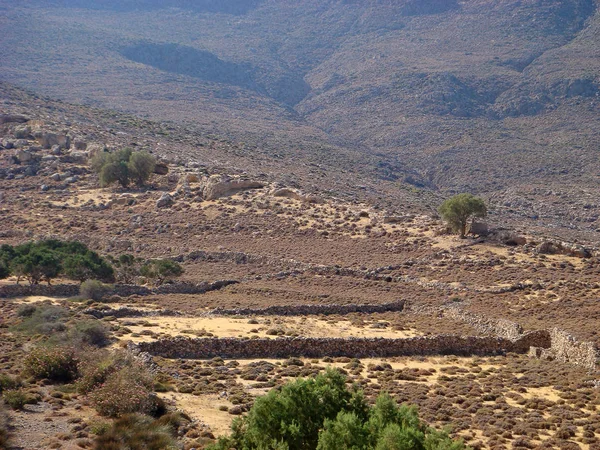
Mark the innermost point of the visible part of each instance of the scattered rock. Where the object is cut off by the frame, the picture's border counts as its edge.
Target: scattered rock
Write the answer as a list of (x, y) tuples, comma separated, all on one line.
[(165, 201), (217, 186), (161, 168)]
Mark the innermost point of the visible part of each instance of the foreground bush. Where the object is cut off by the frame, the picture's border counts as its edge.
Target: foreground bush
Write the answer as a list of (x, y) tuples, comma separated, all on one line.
[(125, 391), (55, 363), (137, 432), (321, 413), (42, 319)]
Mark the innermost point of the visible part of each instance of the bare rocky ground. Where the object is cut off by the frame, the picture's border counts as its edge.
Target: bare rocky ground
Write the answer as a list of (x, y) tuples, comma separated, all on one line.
[(288, 246)]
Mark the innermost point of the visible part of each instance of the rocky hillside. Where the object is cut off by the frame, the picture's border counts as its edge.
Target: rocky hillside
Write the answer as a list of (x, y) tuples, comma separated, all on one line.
[(497, 97)]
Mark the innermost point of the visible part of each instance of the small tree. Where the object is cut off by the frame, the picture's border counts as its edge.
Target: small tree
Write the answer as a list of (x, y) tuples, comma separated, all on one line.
[(7, 254), (36, 265), (82, 267), (161, 270), (123, 166), (141, 165), (458, 210)]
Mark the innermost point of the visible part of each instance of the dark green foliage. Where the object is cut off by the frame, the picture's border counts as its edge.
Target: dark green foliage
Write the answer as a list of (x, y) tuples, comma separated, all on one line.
[(55, 363), (161, 270), (35, 264), (123, 166), (322, 413), (45, 260), (141, 166), (87, 266), (127, 267), (137, 432), (3, 428), (7, 254), (458, 210)]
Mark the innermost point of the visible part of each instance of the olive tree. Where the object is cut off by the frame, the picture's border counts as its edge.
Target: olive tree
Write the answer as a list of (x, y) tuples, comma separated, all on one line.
[(458, 210), (123, 166)]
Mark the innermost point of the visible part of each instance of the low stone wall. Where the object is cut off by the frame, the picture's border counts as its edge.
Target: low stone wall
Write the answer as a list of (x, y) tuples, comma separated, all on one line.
[(123, 290), (24, 290), (202, 348), (566, 348), (120, 313), (309, 310)]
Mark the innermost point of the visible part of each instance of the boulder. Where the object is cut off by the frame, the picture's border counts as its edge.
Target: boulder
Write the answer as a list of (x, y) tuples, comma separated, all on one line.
[(48, 140), (80, 145), (24, 156), (297, 195), (161, 168), (78, 157), (165, 201), (95, 148), (12, 118), (22, 132), (217, 186), (55, 177), (479, 228)]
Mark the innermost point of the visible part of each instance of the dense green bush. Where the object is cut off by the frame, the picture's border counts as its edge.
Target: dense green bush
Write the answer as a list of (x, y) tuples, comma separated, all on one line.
[(55, 363), (321, 413), (161, 270), (123, 166), (48, 259), (137, 432), (458, 210)]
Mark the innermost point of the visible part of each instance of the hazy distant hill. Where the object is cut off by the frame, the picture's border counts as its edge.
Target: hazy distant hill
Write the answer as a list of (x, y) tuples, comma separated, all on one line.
[(481, 95)]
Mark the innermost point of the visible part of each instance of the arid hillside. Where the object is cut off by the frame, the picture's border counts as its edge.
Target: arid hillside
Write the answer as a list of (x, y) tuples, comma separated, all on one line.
[(495, 97)]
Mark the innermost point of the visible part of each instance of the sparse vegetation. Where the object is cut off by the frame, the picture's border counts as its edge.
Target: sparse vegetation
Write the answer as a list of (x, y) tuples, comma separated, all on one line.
[(93, 290), (137, 432), (4, 431)]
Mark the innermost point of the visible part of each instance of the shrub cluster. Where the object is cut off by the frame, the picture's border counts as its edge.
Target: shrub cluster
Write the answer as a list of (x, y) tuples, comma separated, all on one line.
[(117, 384), (45, 260), (54, 363), (322, 413), (137, 432), (123, 166)]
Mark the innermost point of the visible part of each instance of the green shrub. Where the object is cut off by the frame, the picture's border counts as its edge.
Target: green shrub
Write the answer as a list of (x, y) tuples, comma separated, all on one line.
[(136, 432), (90, 332), (16, 398), (93, 290), (55, 363), (43, 319), (457, 211), (26, 310), (4, 430), (123, 166), (322, 413), (126, 391), (7, 382)]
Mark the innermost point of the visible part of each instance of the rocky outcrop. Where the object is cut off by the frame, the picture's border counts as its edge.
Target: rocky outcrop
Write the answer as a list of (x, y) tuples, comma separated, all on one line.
[(48, 140), (217, 186)]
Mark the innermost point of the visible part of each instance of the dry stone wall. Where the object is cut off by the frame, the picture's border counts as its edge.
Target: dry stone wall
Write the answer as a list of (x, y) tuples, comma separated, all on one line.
[(181, 347), (123, 290), (309, 310)]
